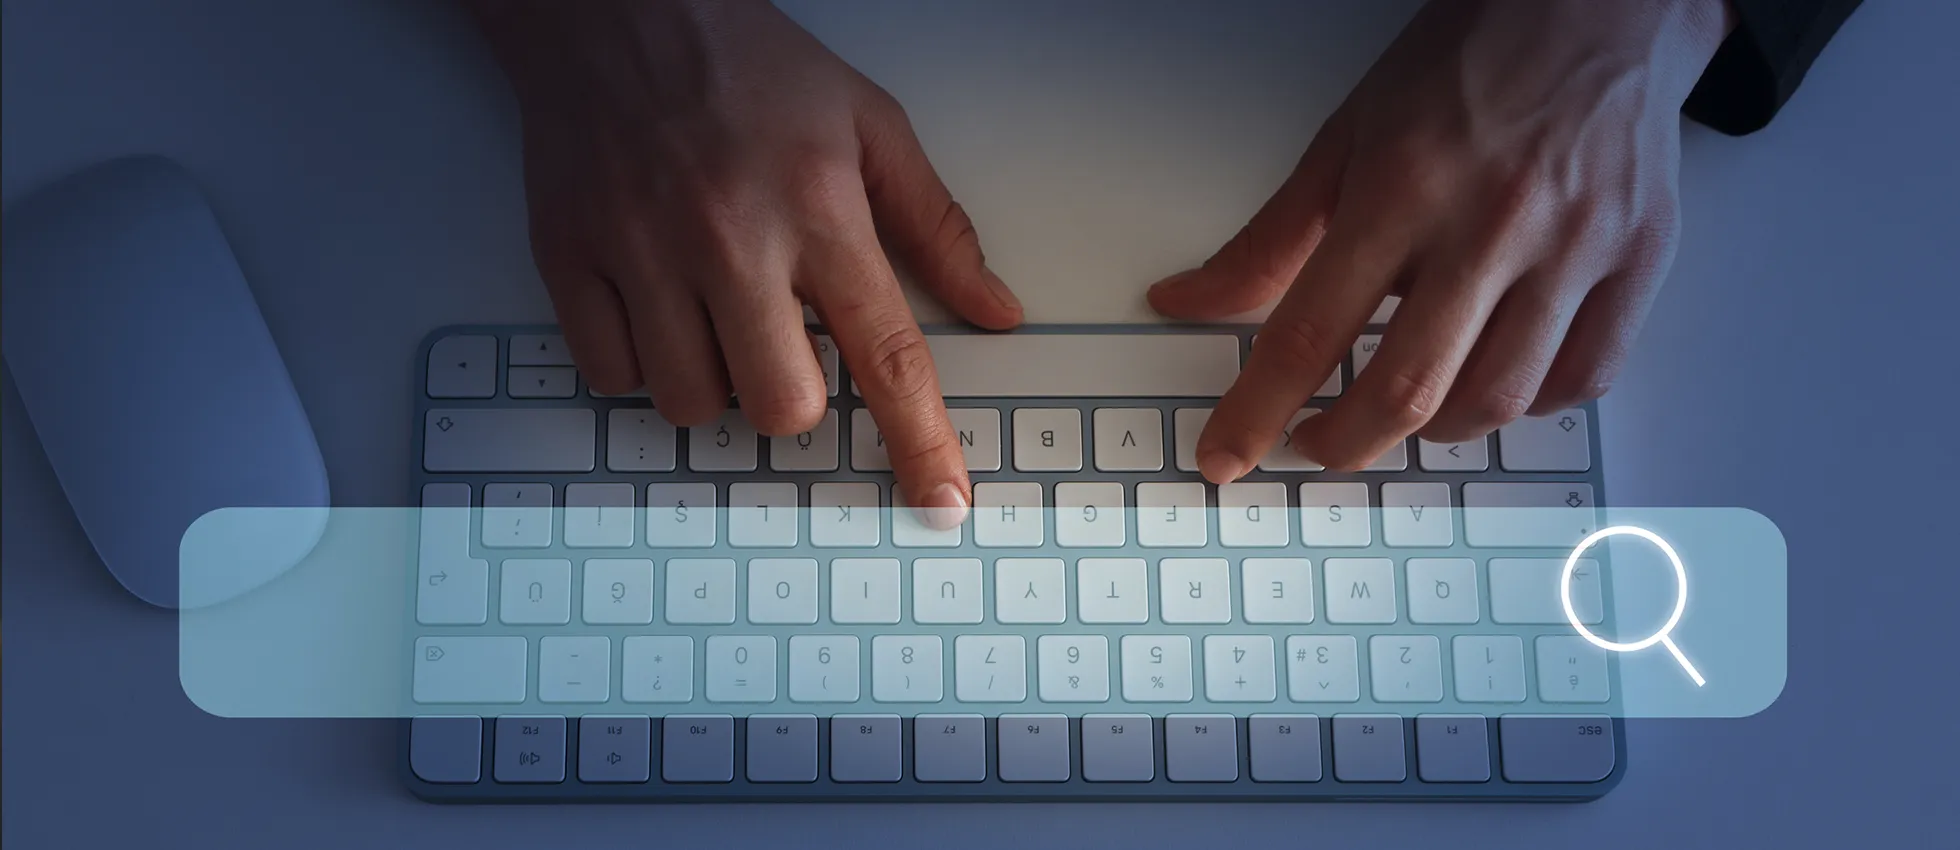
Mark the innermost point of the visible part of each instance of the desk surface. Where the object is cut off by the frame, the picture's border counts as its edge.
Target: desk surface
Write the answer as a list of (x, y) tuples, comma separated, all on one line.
[(363, 157)]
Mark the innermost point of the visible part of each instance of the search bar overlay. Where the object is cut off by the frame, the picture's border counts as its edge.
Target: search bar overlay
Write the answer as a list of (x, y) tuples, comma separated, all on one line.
[(1237, 609)]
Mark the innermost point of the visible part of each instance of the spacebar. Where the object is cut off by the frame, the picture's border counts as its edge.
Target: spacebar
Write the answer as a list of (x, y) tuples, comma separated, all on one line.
[(1084, 365), (509, 440)]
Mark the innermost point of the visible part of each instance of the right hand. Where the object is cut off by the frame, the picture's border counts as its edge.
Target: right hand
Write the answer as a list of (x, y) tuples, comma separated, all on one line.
[(697, 170)]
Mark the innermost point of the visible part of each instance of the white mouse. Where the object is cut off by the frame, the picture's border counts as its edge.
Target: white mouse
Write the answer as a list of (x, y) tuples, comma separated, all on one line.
[(151, 379)]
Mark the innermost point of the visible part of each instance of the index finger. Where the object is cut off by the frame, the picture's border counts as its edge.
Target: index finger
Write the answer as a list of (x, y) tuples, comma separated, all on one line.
[(859, 300), (1301, 343)]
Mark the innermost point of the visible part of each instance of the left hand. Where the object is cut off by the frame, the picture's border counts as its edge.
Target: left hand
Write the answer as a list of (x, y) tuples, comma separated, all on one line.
[(1508, 167)]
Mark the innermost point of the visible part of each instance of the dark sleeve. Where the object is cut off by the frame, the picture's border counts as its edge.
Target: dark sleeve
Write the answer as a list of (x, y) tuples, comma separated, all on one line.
[(1761, 64)]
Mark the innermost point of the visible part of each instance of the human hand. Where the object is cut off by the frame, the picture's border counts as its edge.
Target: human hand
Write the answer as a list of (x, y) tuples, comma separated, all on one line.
[(1508, 167), (697, 170)]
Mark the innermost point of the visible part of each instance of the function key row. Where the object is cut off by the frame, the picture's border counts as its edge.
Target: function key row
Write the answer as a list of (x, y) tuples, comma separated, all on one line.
[(1035, 748)]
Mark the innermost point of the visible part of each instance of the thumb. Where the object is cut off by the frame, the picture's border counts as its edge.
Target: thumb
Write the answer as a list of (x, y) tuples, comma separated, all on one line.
[(1261, 261), (922, 224)]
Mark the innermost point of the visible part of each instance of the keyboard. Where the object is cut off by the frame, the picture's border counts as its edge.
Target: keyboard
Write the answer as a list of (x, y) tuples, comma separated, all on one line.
[(603, 627)]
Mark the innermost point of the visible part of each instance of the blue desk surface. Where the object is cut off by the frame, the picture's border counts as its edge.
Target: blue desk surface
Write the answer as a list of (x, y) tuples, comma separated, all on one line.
[(1801, 363)]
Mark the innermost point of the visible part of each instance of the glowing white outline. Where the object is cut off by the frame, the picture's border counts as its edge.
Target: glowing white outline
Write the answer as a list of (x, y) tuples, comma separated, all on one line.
[(1661, 637)]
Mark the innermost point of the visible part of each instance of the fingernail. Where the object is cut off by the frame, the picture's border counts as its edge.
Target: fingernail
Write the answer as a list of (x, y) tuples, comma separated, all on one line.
[(999, 288), (943, 508), (1220, 467)]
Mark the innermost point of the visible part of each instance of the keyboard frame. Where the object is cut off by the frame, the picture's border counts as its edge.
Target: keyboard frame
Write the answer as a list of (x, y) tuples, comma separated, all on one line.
[(991, 789)]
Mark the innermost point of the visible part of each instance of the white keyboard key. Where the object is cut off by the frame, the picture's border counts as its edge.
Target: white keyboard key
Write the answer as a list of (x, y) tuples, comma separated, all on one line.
[(1571, 670), (542, 382), (1171, 514), (824, 668), (1252, 514), (1157, 668), (1555, 516), (1239, 668), (574, 669), (517, 516), (783, 591), (978, 429), (680, 516), (539, 350), (1073, 668), (1471, 456), (452, 588), (990, 668), (762, 514), (1030, 590), (1118, 748), (1405, 668), (1187, 423), (1364, 351), (656, 668), (1129, 439), (814, 450), (700, 591), (1443, 591), (864, 591), (1073, 366), (867, 444), (1048, 440), (489, 439), (844, 515), (1090, 515), (1336, 515), (728, 445), (1418, 515), (907, 668), (1195, 590), (1008, 515), (909, 532), (1525, 591), (741, 668), (947, 590), (1489, 668), (618, 592), (1396, 459), (827, 358), (638, 440), (1360, 590), (1556, 442), (1112, 590), (1034, 748), (536, 592), (463, 367), (454, 669), (1277, 590), (1322, 668), (599, 516), (1282, 457)]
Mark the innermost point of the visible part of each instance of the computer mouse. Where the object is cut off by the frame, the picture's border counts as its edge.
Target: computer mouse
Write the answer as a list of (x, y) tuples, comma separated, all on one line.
[(151, 379)]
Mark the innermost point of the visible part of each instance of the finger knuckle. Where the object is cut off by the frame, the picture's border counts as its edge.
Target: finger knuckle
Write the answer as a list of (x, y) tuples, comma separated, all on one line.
[(1495, 407), (784, 411), (1303, 347), (901, 363), (1408, 399)]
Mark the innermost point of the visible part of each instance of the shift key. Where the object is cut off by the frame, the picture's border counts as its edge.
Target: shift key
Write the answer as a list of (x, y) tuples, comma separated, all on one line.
[(509, 440)]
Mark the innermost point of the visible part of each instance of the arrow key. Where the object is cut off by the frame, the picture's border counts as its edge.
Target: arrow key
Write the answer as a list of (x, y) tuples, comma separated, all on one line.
[(543, 382), (1472, 456), (614, 749), (463, 367)]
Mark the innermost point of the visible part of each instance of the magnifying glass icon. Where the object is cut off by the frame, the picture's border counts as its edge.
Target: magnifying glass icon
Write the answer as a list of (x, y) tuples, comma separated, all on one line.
[(1662, 637)]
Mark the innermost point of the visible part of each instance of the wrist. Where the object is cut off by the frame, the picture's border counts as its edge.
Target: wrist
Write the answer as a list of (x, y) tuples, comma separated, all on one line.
[(1689, 34)]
